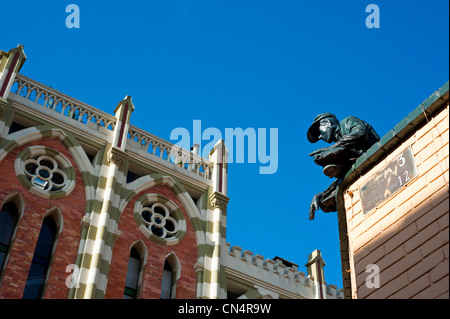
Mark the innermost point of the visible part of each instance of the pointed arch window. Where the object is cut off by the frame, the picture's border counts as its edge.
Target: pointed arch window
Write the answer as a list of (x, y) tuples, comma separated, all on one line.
[(167, 281), (171, 274), (8, 222), (40, 264), (133, 271)]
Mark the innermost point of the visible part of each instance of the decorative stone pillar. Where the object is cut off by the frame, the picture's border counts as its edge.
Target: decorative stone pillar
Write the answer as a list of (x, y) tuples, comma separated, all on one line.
[(214, 284), (123, 112), (199, 268), (315, 271), (10, 65), (103, 230), (219, 156)]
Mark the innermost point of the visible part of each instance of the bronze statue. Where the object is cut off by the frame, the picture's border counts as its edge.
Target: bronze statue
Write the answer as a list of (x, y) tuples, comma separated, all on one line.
[(352, 137)]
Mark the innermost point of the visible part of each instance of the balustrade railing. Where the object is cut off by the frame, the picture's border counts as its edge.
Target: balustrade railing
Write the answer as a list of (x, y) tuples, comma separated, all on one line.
[(61, 103), (95, 119), (170, 152)]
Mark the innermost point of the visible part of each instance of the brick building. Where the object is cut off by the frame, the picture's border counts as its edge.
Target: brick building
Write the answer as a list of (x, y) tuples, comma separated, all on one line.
[(93, 207), (393, 210)]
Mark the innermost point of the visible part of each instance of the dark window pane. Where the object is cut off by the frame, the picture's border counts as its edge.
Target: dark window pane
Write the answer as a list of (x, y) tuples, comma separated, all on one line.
[(8, 220), (135, 254), (2, 258), (33, 289), (15, 127), (146, 215), (129, 293), (41, 259), (169, 225), (44, 173), (57, 178), (166, 285), (31, 168), (37, 270), (47, 163), (157, 231), (131, 283), (159, 210), (132, 273), (46, 239)]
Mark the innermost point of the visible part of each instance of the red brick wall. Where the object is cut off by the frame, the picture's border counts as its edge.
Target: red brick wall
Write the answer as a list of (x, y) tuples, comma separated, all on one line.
[(186, 251), (72, 209)]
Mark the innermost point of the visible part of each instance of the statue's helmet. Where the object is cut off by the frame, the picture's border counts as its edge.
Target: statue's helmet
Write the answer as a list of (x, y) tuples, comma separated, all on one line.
[(313, 131)]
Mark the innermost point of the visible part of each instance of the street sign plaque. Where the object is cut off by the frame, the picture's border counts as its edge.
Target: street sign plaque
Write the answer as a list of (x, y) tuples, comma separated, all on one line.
[(388, 180)]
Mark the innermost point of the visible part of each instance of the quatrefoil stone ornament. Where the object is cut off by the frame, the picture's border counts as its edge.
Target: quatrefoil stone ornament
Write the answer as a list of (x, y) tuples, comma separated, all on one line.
[(160, 219)]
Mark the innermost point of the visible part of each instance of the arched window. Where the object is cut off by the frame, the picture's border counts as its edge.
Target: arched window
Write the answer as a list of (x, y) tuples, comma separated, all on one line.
[(171, 274), (34, 287), (8, 222), (133, 271), (167, 281)]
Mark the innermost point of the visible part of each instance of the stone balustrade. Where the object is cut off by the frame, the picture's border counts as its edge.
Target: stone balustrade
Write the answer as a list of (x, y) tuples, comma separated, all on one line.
[(89, 118), (169, 152), (61, 103)]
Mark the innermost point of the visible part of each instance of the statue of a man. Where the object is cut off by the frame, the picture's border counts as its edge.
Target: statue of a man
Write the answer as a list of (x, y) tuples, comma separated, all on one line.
[(351, 137)]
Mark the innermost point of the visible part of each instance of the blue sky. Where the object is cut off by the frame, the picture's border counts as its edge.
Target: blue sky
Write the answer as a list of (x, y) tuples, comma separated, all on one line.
[(248, 64)]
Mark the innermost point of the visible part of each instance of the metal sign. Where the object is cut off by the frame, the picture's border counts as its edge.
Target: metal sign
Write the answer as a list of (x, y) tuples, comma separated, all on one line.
[(388, 180)]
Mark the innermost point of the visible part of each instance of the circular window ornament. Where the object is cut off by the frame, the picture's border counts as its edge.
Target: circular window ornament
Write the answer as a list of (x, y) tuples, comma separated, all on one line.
[(45, 172), (160, 219)]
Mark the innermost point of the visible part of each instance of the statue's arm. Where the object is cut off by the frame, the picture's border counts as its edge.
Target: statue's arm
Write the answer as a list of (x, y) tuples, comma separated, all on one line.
[(353, 134), (314, 205)]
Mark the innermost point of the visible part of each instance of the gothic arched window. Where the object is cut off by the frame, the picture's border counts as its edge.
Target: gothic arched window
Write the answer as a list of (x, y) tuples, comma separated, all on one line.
[(167, 281), (40, 264), (8, 222), (133, 271)]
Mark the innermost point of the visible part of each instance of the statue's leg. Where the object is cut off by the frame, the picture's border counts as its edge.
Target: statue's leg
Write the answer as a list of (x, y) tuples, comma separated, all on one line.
[(328, 202), (336, 161)]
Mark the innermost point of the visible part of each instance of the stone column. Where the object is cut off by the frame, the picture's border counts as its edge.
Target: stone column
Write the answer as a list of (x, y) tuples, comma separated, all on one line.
[(10, 64), (214, 285), (104, 218)]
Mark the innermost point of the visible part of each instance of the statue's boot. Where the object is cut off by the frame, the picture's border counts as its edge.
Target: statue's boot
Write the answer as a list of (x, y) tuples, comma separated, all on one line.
[(333, 170)]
